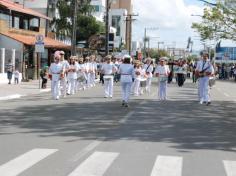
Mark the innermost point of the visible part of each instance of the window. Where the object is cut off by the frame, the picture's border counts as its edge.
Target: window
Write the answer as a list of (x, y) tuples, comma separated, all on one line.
[(116, 24), (34, 24), (16, 22), (96, 8)]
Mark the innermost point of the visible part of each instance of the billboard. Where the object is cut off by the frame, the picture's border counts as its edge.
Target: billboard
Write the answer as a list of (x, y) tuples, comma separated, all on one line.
[(226, 54)]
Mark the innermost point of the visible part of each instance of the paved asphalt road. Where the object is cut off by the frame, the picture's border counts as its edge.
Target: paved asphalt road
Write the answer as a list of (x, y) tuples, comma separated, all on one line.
[(88, 135)]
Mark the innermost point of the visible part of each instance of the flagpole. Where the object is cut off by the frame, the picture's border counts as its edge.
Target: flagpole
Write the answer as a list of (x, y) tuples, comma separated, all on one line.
[(23, 4)]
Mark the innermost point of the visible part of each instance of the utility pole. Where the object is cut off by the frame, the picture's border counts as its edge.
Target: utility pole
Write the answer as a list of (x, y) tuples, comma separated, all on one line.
[(74, 29), (107, 27), (129, 19)]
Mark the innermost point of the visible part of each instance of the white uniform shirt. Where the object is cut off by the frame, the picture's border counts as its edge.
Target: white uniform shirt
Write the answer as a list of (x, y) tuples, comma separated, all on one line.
[(72, 74), (108, 69), (127, 72), (162, 70), (80, 71), (204, 66), (55, 70), (65, 64), (86, 67), (93, 67), (148, 69)]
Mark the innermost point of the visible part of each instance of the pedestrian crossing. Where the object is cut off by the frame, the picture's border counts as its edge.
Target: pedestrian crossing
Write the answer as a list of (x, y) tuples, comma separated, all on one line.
[(97, 164)]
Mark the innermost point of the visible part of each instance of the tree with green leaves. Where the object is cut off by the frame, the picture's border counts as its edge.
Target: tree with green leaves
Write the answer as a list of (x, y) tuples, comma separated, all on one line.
[(218, 21), (86, 23)]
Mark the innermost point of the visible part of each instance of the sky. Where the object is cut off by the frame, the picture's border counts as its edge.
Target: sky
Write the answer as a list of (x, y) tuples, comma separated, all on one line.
[(172, 18)]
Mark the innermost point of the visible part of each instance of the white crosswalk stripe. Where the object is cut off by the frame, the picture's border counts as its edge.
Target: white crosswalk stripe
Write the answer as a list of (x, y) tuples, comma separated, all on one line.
[(95, 165), (98, 163), (25, 161), (230, 168), (167, 166)]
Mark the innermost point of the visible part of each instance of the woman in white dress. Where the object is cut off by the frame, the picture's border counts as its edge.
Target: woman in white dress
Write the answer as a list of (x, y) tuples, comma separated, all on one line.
[(126, 70)]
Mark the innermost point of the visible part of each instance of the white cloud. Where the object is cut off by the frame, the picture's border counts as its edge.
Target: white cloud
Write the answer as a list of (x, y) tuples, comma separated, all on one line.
[(172, 17)]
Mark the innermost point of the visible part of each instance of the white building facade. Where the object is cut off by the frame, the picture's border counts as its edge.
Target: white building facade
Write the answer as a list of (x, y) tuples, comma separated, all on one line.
[(100, 9), (117, 20)]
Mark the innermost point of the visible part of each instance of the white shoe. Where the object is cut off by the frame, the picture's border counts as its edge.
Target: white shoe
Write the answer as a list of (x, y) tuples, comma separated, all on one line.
[(201, 102)]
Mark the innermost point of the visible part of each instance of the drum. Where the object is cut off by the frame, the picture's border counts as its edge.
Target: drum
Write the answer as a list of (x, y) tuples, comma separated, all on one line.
[(212, 81), (81, 78), (143, 82)]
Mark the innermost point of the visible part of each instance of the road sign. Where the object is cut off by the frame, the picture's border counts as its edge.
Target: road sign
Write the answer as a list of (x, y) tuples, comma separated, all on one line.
[(39, 44)]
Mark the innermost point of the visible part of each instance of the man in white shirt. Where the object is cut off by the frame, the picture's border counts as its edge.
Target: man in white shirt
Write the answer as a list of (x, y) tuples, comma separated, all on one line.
[(63, 81), (162, 71), (204, 70), (108, 69)]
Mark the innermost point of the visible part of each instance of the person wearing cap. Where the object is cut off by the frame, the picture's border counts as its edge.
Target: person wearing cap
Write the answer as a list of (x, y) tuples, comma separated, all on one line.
[(126, 70), (81, 81), (108, 69), (148, 68), (93, 70), (72, 76), (203, 71), (162, 71), (139, 74), (55, 71), (65, 66)]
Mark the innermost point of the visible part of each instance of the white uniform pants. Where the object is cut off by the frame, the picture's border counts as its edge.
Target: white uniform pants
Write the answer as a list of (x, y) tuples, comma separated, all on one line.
[(126, 89), (63, 85), (55, 88), (136, 87), (204, 89), (108, 87), (162, 90), (71, 86), (148, 86), (92, 77)]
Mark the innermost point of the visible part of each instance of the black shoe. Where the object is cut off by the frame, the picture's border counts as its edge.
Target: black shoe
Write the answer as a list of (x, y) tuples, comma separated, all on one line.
[(126, 105), (123, 103), (208, 103)]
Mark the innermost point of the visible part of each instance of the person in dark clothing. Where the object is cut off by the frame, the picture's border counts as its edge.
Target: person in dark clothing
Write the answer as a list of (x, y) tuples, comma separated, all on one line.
[(44, 77)]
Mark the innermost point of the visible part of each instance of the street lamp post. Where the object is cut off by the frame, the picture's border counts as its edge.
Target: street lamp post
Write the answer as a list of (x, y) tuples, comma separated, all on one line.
[(146, 38), (73, 41)]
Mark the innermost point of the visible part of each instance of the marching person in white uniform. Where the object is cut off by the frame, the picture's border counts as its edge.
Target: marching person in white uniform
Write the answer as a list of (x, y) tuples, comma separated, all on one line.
[(72, 76), (81, 81), (204, 70), (87, 71), (63, 81), (162, 72), (148, 68), (126, 70), (56, 70), (108, 69), (93, 70), (139, 74)]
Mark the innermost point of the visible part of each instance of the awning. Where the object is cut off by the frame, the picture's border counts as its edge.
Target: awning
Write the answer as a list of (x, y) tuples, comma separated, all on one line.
[(19, 8), (30, 40)]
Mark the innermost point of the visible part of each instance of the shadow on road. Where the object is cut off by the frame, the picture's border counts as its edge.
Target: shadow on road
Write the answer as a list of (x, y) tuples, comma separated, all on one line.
[(183, 123)]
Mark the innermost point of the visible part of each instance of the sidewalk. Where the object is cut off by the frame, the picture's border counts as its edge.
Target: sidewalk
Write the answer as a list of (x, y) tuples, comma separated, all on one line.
[(12, 91)]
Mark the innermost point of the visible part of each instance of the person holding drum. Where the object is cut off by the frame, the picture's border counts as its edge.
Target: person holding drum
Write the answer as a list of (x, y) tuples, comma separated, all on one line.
[(126, 70), (55, 70), (108, 69), (162, 71)]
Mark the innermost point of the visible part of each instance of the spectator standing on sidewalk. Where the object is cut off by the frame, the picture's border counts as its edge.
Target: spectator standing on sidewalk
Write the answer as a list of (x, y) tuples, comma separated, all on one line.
[(9, 67), (16, 76), (44, 77)]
